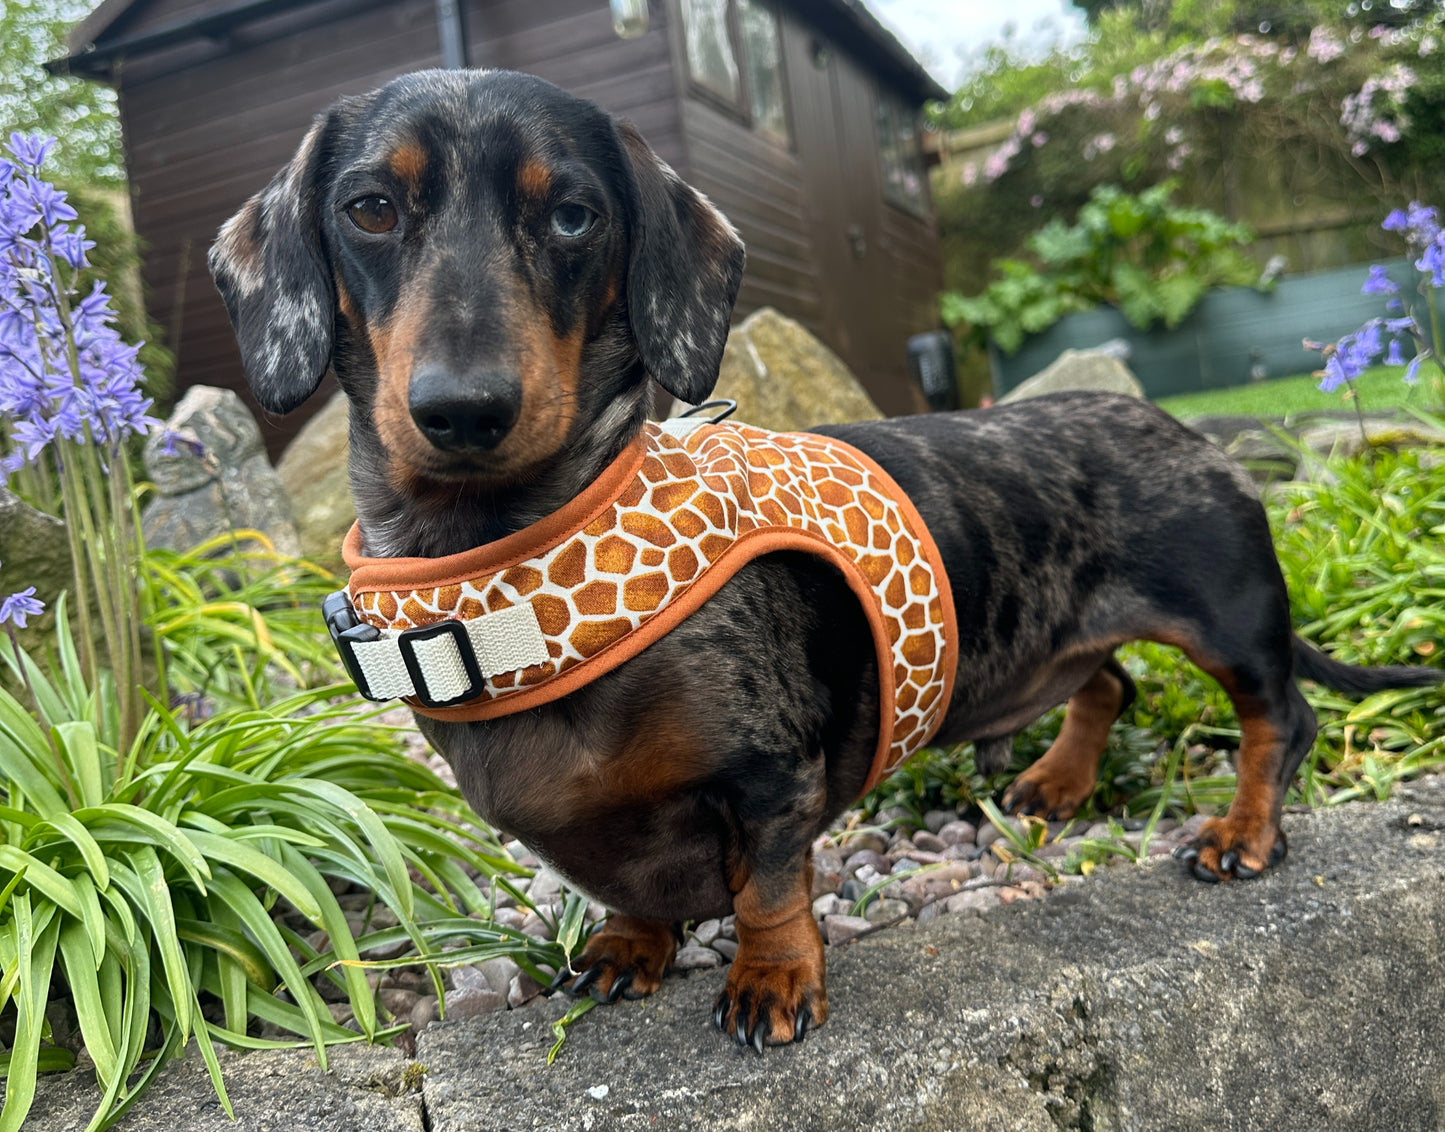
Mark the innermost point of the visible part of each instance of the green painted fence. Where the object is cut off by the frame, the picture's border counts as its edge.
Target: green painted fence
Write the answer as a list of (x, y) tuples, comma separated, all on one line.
[(1234, 336)]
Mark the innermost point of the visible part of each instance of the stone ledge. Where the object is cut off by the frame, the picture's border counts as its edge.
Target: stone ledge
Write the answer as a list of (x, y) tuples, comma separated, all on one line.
[(271, 1091), (1311, 998)]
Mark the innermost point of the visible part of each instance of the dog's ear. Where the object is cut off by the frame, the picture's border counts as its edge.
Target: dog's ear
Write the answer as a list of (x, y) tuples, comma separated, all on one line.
[(269, 267), (683, 276)]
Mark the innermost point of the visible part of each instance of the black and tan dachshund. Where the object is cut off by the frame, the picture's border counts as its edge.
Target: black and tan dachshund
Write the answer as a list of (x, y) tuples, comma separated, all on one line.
[(497, 271)]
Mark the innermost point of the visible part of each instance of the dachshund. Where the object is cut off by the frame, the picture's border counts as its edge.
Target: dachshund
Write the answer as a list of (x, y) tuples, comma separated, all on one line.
[(497, 271)]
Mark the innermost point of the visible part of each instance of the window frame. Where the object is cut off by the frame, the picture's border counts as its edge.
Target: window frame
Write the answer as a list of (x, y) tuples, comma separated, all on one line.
[(741, 109), (889, 101)]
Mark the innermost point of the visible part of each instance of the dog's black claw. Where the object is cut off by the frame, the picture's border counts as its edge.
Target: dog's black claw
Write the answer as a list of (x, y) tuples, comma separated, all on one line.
[(1279, 852), (1244, 872), (800, 1023), (1186, 853), (758, 1035), (586, 979), (1204, 874), (559, 978), (1228, 860), (619, 985)]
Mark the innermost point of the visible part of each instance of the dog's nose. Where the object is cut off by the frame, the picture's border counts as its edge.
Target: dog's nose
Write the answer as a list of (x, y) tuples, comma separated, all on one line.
[(463, 413)]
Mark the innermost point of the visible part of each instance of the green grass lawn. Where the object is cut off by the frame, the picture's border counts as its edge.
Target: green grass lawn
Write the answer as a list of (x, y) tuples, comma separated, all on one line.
[(1380, 387)]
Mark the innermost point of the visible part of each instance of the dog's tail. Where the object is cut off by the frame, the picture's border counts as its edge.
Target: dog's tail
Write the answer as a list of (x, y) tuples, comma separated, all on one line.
[(1353, 680)]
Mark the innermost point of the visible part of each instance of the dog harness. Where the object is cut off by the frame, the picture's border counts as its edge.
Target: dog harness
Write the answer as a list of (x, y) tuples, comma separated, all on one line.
[(540, 613)]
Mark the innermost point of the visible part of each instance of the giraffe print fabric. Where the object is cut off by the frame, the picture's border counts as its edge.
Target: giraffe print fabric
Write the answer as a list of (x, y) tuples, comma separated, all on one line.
[(660, 531)]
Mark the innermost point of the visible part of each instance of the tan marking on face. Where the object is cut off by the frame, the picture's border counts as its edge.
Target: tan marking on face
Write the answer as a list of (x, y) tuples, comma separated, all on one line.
[(394, 346), (534, 179), (408, 163), (346, 304)]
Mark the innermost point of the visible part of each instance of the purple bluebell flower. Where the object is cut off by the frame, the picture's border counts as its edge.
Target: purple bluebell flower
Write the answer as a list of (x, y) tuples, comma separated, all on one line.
[(30, 149), (1379, 283), (1351, 356), (1412, 371), (46, 394), (1393, 356), (1432, 260), (17, 607)]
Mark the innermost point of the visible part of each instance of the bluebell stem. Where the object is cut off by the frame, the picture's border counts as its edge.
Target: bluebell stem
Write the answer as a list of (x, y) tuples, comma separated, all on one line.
[(71, 394)]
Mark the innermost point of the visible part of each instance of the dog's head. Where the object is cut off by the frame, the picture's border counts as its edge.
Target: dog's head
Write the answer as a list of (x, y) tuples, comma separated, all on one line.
[(489, 263)]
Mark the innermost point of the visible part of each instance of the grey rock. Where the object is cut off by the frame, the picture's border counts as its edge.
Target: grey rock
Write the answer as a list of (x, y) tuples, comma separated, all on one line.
[(785, 379), (398, 1000), (522, 990), (934, 820), (545, 885), (929, 842), (829, 904), (958, 833), (34, 551), (1342, 438), (866, 858), (218, 480), (468, 978), (840, 929), (693, 958), (314, 471), (706, 932), (423, 1012), (467, 1002), (864, 839), (727, 948), (1070, 1008), (973, 900), (1078, 369), (363, 1090), (886, 911), (499, 973)]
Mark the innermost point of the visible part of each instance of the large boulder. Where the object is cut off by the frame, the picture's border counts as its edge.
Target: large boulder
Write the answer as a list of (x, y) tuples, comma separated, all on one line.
[(784, 379), (313, 468), (34, 551), (212, 476), (1079, 369)]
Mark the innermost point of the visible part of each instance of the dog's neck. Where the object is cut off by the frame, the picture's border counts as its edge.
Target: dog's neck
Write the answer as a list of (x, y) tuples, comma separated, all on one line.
[(449, 518)]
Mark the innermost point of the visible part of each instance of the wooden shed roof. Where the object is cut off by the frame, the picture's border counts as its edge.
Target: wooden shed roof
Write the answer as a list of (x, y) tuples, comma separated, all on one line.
[(93, 48)]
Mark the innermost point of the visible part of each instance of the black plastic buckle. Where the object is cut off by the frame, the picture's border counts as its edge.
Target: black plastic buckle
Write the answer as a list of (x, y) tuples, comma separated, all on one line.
[(347, 629), (457, 631)]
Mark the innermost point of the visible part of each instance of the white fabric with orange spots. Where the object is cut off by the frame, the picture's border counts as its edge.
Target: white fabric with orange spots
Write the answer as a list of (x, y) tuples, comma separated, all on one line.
[(551, 607)]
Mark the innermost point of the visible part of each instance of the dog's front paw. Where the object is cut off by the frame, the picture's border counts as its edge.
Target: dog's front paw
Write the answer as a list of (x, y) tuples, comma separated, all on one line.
[(773, 1001), (1228, 848), (626, 957), (1052, 789)]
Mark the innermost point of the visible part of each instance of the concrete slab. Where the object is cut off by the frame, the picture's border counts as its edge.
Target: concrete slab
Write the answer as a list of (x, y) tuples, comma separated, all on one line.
[(1311, 998)]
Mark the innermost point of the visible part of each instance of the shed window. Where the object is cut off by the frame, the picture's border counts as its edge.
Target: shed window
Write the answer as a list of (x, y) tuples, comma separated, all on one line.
[(763, 61), (735, 58), (710, 57), (901, 155)]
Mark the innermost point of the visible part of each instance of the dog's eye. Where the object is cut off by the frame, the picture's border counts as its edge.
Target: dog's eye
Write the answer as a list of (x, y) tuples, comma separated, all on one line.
[(373, 214), (573, 220)]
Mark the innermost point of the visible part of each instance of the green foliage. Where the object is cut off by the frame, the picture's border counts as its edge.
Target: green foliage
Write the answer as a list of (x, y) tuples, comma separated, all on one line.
[(178, 881), (1361, 551), (116, 258), (239, 621), (1149, 257), (82, 114)]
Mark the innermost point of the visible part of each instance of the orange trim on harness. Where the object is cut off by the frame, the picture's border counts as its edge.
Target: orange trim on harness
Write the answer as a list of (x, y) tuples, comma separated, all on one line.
[(683, 511)]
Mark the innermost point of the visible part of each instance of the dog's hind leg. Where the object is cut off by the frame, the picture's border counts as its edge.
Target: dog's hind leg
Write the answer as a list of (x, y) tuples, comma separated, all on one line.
[(1276, 733), (1063, 779)]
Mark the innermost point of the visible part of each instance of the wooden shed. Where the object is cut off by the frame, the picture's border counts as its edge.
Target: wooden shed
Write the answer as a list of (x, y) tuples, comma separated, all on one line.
[(799, 118)]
